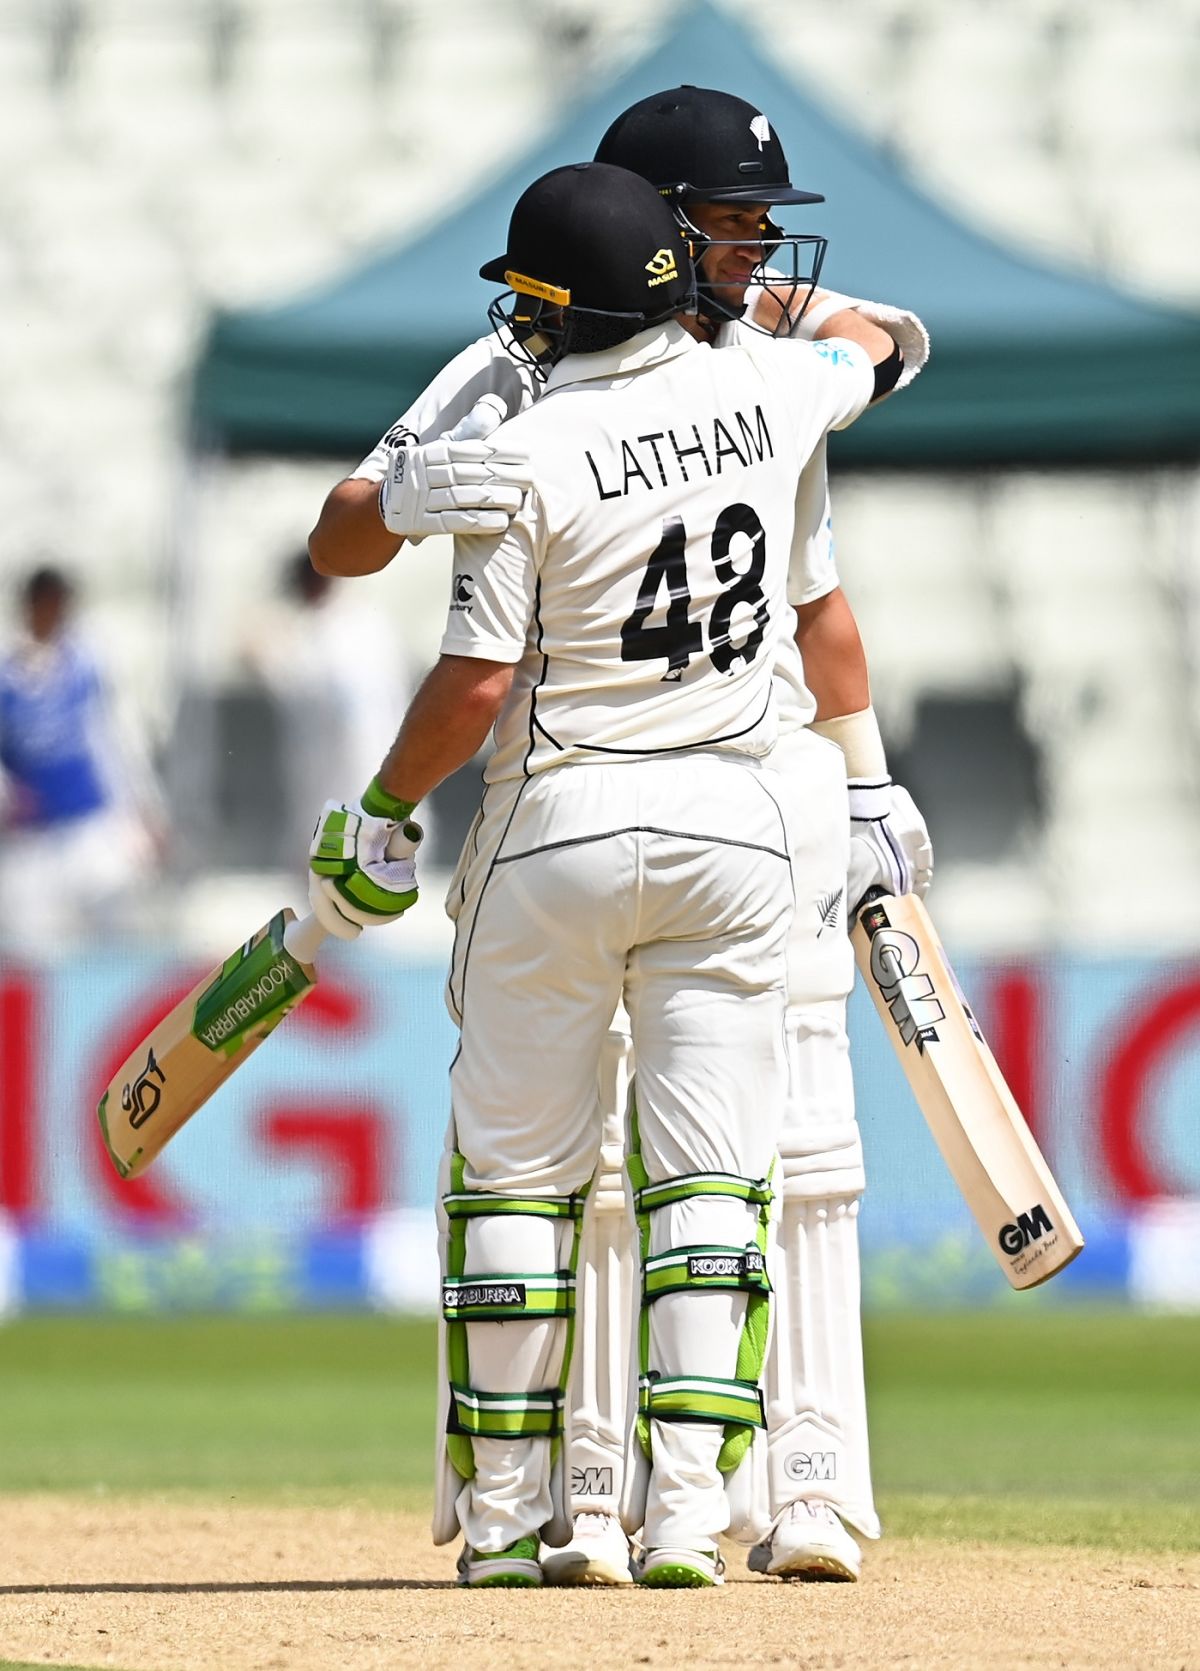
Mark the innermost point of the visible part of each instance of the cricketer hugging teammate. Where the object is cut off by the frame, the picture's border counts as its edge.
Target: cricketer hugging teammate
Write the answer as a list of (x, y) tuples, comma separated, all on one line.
[(650, 1327)]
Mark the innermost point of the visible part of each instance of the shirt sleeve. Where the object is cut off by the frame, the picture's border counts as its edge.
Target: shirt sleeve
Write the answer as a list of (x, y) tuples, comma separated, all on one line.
[(844, 379), (812, 569), (493, 592), (482, 368)]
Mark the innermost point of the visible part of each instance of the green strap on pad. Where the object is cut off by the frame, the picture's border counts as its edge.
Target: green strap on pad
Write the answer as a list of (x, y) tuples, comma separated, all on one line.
[(701, 1398), (484, 1415), (507, 1298), (737, 1404), (478, 1203), (502, 1298), (649, 1197), (687, 1268)]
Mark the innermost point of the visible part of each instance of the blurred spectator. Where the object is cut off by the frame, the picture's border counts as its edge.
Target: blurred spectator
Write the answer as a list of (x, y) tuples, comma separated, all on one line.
[(80, 814), (341, 682)]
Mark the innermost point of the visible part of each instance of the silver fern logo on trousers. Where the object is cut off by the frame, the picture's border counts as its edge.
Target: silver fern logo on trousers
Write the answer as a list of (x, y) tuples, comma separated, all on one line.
[(829, 909)]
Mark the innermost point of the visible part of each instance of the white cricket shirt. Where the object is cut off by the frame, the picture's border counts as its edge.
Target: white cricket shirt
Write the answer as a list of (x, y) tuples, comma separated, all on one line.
[(641, 591), (486, 367)]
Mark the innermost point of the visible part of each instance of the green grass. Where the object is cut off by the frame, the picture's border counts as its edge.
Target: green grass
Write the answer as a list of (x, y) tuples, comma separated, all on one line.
[(1070, 1427), (245, 1407)]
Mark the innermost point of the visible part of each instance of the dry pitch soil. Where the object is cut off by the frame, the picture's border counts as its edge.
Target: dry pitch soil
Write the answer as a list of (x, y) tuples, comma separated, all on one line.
[(155, 1586)]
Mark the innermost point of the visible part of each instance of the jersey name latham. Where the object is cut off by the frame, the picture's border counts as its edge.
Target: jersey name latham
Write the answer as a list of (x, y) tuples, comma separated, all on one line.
[(685, 453)]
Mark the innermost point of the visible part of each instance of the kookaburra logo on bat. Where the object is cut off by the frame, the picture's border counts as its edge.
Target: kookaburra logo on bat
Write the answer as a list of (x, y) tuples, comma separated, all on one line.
[(142, 1097)]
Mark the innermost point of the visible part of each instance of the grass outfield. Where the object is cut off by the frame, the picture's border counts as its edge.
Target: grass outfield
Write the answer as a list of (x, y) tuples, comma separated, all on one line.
[(1043, 1426)]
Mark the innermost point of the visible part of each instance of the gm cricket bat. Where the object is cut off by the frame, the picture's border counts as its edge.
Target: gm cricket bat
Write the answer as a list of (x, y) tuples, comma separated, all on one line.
[(206, 1037), (960, 1090)]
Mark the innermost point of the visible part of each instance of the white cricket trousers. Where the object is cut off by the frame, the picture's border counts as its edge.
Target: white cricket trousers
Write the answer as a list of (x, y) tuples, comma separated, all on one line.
[(813, 1385), (667, 882)]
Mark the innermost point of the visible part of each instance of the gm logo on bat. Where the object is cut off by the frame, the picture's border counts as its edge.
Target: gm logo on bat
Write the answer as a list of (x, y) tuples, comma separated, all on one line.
[(907, 991), (1015, 1238), (140, 1099)]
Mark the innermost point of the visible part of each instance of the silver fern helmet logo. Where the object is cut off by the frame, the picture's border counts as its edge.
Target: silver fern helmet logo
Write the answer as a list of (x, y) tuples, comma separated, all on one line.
[(829, 909), (761, 129)]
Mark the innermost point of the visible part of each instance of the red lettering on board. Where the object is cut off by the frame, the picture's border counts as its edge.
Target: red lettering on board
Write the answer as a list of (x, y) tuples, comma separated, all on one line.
[(350, 1143), (1146, 1039), (20, 1107), (1015, 1035)]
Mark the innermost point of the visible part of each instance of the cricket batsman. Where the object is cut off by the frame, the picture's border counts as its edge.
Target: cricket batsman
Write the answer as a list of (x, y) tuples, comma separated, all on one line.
[(720, 165), (636, 843)]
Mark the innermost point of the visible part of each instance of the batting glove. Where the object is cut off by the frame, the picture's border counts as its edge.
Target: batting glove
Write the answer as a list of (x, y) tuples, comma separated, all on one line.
[(362, 863), (459, 484), (889, 844)]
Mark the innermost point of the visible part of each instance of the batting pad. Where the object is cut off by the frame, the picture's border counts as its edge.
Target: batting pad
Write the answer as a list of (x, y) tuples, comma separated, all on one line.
[(702, 1342), (817, 1444), (508, 1306)]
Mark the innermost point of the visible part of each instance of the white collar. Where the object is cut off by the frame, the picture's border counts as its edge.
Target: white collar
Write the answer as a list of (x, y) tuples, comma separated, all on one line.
[(648, 348)]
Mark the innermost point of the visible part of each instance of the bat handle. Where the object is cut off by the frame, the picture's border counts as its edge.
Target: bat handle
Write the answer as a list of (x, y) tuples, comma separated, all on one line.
[(303, 937), (873, 893)]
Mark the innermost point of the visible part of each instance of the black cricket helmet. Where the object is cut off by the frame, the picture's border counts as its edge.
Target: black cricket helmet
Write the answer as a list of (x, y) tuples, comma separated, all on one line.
[(699, 145), (594, 256)]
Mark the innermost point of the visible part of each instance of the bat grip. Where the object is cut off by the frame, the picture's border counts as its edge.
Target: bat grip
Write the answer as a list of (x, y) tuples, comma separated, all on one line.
[(872, 894), (303, 937)]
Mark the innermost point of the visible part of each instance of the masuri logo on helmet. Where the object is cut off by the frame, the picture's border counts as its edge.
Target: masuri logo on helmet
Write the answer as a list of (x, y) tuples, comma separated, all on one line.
[(663, 266)]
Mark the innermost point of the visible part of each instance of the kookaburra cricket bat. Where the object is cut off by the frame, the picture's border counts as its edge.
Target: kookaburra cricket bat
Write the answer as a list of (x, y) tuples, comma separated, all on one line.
[(206, 1037), (960, 1090)]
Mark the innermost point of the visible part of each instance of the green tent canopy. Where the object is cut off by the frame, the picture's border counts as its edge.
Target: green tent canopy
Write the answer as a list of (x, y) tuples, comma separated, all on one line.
[(1031, 364)]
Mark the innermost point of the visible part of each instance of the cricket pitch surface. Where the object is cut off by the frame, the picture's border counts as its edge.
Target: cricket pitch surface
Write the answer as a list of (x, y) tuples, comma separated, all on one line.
[(144, 1584)]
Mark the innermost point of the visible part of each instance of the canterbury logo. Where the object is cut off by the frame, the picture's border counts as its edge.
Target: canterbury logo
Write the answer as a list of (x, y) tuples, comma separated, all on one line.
[(663, 266)]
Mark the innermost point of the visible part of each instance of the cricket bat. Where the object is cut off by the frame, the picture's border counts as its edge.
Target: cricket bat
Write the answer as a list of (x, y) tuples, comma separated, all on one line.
[(206, 1037), (974, 1118)]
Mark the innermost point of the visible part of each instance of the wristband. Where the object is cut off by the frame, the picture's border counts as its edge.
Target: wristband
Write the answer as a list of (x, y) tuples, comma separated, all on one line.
[(857, 735), (870, 799), (377, 803)]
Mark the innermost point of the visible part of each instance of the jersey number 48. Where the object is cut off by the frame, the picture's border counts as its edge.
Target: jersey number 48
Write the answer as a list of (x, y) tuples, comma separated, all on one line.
[(680, 638)]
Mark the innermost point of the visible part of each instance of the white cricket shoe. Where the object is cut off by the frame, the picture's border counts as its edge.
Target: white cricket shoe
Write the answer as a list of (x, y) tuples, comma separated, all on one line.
[(598, 1553), (680, 1569), (807, 1542)]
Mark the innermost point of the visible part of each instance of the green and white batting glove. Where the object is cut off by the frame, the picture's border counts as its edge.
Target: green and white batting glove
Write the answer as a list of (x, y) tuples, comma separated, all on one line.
[(362, 863)]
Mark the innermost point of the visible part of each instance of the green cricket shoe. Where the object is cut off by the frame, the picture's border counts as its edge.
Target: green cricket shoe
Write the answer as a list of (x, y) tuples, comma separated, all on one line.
[(680, 1569), (514, 1568)]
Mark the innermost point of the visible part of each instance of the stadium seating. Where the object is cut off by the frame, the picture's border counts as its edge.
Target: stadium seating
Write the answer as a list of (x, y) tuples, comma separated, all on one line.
[(162, 157)]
